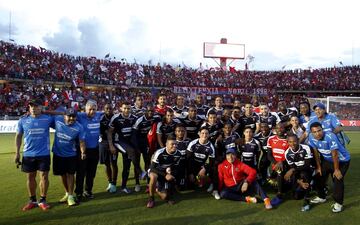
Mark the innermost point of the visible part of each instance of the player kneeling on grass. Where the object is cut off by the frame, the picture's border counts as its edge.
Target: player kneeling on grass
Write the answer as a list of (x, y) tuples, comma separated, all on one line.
[(237, 181), (299, 159), (163, 170), (198, 152), (67, 133)]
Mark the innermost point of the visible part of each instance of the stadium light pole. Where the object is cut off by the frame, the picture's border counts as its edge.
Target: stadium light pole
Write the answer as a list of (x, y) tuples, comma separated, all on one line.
[(10, 26)]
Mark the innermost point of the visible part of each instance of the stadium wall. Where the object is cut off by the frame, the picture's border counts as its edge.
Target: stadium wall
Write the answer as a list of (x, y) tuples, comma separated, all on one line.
[(9, 126)]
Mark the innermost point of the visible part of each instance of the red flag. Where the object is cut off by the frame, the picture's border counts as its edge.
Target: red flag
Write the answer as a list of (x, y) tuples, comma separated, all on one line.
[(232, 69)]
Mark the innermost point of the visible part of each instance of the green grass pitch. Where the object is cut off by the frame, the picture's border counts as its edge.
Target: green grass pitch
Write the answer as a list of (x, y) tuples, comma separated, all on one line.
[(191, 208)]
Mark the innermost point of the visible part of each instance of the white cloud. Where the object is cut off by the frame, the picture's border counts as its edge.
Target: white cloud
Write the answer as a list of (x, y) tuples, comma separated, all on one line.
[(296, 34)]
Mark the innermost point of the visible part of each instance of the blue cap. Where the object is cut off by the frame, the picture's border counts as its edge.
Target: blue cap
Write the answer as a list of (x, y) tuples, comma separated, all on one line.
[(231, 150), (320, 105)]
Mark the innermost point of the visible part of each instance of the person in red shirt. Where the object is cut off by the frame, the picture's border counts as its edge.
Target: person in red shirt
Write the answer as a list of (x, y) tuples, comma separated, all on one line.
[(161, 106), (237, 181), (277, 145)]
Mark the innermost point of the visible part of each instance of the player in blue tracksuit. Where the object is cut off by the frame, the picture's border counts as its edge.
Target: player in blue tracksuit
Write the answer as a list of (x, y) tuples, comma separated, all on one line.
[(335, 162)]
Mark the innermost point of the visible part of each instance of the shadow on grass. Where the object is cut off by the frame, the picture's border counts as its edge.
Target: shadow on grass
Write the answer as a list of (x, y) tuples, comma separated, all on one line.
[(83, 210), (220, 218)]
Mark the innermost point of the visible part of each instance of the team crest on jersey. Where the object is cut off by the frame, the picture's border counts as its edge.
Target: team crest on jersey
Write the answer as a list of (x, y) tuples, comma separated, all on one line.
[(237, 169)]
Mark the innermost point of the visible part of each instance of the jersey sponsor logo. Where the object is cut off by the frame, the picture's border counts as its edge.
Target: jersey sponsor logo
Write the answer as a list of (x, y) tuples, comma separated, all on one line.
[(63, 136), (199, 155), (93, 125), (37, 131), (300, 163), (324, 152), (278, 151), (247, 154), (231, 145), (126, 130)]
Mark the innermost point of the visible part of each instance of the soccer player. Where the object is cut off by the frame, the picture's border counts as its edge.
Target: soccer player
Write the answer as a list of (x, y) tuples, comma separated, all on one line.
[(86, 169), (198, 151), (67, 133), (237, 103), (255, 104), (299, 158), (235, 117), (141, 129), (213, 125), (335, 162), (248, 119), (226, 116), (161, 106), (121, 124), (265, 116), (285, 113), (306, 114), (218, 108), (36, 154), (138, 108), (277, 145), (328, 121), (264, 163), (297, 129), (192, 123), (163, 170), (110, 160), (250, 150), (228, 139), (201, 108), (182, 143), (237, 181), (180, 110), (166, 127)]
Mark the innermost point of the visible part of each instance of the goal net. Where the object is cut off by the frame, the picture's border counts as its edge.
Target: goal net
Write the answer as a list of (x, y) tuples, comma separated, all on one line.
[(345, 108)]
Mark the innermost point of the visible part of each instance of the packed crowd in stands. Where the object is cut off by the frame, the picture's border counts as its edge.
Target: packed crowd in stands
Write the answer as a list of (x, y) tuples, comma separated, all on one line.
[(29, 62), (39, 64)]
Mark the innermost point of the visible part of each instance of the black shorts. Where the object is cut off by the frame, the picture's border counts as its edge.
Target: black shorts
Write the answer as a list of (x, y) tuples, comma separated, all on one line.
[(196, 167), (33, 164), (163, 185), (127, 149), (64, 165), (105, 155)]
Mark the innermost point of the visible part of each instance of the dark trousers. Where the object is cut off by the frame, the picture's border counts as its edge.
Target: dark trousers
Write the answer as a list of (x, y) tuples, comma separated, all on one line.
[(298, 191), (143, 148), (181, 174), (126, 169), (282, 184), (86, 170), (234, 192), (327, 169)]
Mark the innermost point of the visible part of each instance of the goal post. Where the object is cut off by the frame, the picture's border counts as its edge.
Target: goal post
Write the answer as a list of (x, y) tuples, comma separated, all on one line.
[(346, 108)]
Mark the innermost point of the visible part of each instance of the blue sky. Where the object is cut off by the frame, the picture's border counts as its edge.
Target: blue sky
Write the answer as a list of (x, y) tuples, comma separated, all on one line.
[(295, 34)]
